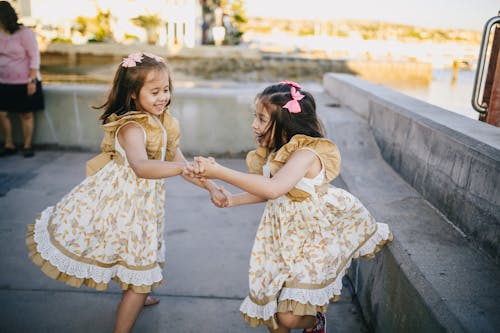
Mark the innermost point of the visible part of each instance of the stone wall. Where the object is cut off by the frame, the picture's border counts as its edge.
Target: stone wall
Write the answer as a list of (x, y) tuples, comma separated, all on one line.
[(70, 122), (453, 161), (432, 176)]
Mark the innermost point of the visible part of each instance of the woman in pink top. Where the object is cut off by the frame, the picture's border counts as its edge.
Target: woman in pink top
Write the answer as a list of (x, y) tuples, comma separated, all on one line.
[(20, 85)]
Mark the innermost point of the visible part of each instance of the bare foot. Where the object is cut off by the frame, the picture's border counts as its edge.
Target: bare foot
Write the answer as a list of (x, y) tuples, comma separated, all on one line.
[(151, 301)]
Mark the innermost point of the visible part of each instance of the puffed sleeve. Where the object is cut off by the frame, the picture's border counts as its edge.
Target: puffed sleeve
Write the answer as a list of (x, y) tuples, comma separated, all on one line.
[(173, 135), (256, 159), (114, 122), (326, 150)]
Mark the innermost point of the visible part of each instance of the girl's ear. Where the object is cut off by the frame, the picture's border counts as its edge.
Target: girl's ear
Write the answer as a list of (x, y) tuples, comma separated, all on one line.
[(133, 95)]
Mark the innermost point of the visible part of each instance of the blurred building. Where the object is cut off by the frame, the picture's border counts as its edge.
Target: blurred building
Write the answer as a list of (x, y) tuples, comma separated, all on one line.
[(180, 21)]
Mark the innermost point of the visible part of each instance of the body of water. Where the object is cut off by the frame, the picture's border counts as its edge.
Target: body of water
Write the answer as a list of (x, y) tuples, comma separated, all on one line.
[(453, 96)]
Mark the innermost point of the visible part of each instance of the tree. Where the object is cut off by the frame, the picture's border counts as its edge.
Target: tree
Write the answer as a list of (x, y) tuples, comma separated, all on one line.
[(150, 23), (98, 26)]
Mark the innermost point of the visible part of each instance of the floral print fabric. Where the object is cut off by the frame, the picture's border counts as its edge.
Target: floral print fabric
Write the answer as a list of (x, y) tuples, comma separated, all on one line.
[(302, 250), (110, 226)]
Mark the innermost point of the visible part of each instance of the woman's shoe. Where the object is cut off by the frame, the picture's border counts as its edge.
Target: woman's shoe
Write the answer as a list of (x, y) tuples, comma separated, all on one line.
[(6, 151), (28, 152)]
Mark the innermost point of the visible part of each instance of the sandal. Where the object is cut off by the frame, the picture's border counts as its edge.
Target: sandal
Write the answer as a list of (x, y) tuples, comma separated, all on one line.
[(28, 152), (150, 300), (6, 151)]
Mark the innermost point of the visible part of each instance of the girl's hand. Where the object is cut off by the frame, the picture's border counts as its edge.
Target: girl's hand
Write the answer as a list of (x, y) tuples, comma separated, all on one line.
[(190, 170), (220, 197), (205, 167)]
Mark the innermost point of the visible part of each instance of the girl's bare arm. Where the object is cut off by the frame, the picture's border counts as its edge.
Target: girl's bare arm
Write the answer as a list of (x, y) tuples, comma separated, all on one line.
[(282, 182), (243, 199), (131, 138)]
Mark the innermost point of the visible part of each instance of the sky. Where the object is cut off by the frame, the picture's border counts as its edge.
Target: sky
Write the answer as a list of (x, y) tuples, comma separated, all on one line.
[(444, 14)]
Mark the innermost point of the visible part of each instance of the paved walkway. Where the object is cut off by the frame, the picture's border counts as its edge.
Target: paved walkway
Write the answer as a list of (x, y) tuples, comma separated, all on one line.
[(208, 251)]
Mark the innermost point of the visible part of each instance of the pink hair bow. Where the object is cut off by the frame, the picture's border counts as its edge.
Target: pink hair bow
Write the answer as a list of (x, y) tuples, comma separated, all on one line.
[(128, 62), (291, 83), (293, 105), (132, 60), (154, 56)]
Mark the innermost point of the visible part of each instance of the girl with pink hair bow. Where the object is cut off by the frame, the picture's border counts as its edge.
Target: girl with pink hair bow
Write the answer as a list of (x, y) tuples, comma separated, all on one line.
[(310, 230), (111, 225)]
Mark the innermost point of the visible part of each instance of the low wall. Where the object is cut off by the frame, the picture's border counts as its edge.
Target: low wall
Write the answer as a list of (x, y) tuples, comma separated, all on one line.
[(412, 163), (69, 122), (451, 161)]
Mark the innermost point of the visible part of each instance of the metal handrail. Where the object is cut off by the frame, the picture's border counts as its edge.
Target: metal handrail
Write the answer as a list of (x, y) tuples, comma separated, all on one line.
[(482, 107)]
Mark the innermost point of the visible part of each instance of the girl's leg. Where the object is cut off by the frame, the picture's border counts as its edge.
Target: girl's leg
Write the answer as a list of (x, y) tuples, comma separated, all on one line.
[(27, 123), (128, 310), (287, 320), (7, 129)]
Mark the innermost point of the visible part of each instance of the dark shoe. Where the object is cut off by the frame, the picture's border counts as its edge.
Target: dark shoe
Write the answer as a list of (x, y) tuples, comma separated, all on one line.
[(320, 326), (7, 151), (28, 152)]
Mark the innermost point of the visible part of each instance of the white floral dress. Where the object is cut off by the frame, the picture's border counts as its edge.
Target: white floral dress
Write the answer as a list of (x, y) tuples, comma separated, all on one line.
[(304, 246), (110, 226)]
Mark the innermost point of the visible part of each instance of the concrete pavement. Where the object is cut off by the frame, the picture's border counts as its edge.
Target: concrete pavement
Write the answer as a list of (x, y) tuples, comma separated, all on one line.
[(208, 251)]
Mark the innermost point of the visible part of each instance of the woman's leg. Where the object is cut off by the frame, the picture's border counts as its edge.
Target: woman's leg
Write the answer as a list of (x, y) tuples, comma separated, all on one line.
[(7, 129), (27, 123), (128, 310)]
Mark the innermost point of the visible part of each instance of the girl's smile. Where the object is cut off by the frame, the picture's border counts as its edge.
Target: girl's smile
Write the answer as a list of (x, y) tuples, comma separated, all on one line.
[(154, 94)]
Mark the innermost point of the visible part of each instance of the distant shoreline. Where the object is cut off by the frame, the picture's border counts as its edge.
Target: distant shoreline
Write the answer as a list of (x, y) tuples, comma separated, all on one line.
[(96, 63)]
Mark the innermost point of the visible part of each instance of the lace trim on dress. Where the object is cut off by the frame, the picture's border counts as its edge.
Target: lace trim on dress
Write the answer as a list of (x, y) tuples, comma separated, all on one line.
[(374, 243), (314, 296), (83, 270), (258, 311)]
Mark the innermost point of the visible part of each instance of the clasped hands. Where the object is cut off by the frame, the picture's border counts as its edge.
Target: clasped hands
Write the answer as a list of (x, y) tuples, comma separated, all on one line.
[(203, 168)]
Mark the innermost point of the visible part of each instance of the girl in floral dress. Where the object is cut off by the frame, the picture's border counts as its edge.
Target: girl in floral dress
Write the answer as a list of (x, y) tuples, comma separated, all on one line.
[(110, 226), (310, 230)]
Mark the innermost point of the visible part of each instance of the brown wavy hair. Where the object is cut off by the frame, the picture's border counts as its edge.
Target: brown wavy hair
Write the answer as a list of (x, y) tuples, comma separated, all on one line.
[(8, 17), (129, 81), (285, 124)]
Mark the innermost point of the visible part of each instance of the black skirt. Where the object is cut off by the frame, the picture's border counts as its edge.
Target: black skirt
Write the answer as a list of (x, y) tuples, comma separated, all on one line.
[(14, 97)]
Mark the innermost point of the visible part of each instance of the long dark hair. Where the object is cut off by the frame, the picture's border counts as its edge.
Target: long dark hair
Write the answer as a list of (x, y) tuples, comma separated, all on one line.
[(8, 17), (129, 81), (284, 123)]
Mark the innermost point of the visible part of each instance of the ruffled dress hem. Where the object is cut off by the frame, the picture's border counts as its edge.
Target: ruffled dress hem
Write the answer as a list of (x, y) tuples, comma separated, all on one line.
[(60, 267), (302, 302)]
